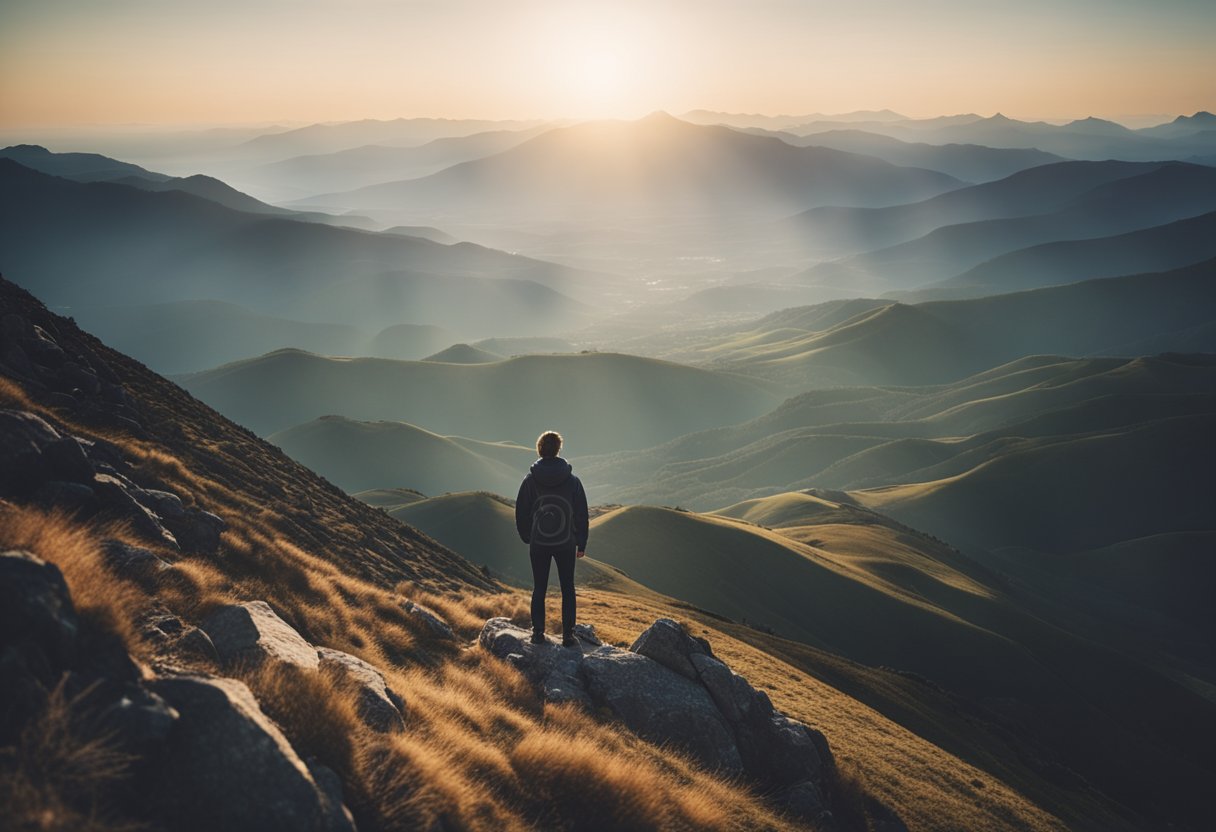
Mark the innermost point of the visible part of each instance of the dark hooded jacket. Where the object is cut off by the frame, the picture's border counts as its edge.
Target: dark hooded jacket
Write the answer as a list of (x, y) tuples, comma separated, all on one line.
[(551, 475)]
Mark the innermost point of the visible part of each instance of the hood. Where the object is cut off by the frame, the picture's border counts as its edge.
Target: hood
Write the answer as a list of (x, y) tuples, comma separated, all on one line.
[(551, 471)]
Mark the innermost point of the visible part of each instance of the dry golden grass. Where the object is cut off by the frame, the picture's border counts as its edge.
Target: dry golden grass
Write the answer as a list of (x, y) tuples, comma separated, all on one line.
[(479, 751), (105, 603), (61, 774)]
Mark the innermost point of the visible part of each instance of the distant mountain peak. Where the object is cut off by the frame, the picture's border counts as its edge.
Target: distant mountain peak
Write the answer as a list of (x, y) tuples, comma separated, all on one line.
[(27, 149)]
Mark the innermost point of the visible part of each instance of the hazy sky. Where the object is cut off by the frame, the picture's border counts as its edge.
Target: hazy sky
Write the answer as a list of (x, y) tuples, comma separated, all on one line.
[(231, 61)]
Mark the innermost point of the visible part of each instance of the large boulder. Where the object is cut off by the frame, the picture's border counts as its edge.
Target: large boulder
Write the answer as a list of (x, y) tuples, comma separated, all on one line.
[(553, 669), (196, 530), (661, 706), (226, 766), (379, 707), (670, 688), (251, 632), (116, 498), (38, 636), (23, 436), (37, 618)]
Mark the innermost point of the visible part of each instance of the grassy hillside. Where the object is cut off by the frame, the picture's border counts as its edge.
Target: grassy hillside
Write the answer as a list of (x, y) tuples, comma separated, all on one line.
[(841, 579), (359, 456), (340, 572), (600, 401), (860, 437), (1092, 491), (941, 341)]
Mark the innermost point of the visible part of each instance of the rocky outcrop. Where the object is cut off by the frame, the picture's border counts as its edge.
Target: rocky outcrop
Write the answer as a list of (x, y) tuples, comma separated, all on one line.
[(253, 633), (41, 464), (379, 707), (208, 757), (670, 688), (226, 766)]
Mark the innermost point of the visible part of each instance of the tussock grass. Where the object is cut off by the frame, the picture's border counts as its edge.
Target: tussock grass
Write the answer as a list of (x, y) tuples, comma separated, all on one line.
[(105, 603), (61, 774)]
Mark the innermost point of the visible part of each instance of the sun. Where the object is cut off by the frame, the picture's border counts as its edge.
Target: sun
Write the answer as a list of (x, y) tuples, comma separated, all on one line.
[(597, 58)]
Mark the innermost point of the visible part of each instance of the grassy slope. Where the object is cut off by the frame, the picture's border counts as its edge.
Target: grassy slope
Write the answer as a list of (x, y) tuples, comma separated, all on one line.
[(339, 570), (941, 341), (357, 456), (883, 595), (857, 437)]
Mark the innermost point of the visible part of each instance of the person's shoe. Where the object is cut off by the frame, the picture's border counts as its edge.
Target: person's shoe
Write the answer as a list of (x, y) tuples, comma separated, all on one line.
[(570, 640), (538, 638)]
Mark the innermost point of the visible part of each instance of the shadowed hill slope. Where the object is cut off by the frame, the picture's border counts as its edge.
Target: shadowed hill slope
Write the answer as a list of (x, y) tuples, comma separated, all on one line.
[(104, 243), (940, 341), (610, 401), (358, 456), (193, 335), (1039, 190), (1169, 246), (864, 437), (1164, 199)]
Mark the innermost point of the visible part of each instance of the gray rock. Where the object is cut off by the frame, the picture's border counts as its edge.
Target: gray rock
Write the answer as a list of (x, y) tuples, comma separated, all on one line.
[(337, 817), (37, 619), (433, 620), (586, 634), (553, 669), (79, 377), (196, 530), (140, 719), (670, 688), (666, 642), (197, 644), (376, 707), (134, 562), (166, 504), (227, 766), (70, 496), (251, 632), (114, 497), (804, 800), (66, 460), (661, 706), (23, 436), (730, 691)]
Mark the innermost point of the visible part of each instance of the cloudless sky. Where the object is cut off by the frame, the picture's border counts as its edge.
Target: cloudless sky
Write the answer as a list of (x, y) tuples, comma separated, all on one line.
[(256, 61)]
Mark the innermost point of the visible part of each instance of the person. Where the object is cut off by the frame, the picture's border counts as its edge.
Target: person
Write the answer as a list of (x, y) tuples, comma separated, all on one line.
[(551, 517)]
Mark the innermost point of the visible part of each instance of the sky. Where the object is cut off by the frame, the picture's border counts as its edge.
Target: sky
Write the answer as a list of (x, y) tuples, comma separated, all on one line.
[(102, 62)]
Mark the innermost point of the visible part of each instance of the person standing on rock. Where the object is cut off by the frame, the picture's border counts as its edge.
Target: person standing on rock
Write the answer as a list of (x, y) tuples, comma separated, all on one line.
[(551, 517)]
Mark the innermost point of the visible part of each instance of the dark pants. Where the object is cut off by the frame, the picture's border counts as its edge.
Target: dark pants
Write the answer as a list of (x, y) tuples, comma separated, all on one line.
[(540, 583)]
